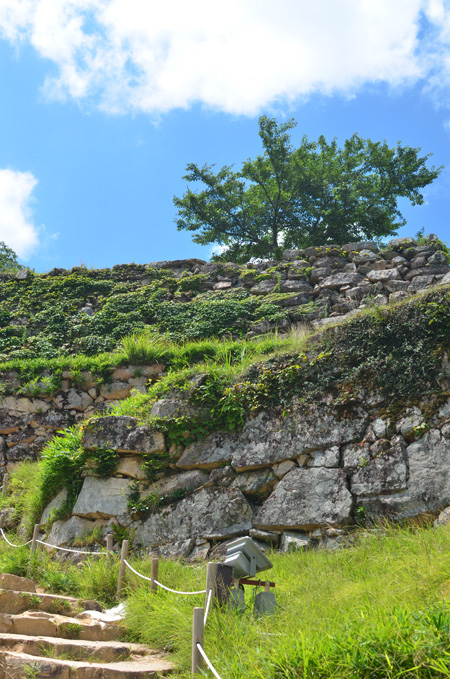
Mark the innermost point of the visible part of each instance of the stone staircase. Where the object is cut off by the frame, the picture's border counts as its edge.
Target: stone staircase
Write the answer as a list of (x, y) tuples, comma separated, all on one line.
[(52, 637)]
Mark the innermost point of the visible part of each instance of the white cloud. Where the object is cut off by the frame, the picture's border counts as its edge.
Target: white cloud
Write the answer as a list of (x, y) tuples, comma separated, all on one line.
[(147, 56), (16, 226)]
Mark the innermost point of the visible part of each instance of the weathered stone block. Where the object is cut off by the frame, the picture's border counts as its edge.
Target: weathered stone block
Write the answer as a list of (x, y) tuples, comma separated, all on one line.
[(122, 434), (102, 498), (428, 482), (208, 454), (115, 390), (265, 440), (64, 532), (295, 286), (383, 474), (188, 481), (212, 513), (77, 400), (55, 504), (383, 276), (258, 483), (306, 499), (339, 280)]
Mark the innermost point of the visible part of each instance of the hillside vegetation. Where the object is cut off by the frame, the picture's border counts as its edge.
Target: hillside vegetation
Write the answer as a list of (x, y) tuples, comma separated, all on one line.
[(230, 353), (378, 609)]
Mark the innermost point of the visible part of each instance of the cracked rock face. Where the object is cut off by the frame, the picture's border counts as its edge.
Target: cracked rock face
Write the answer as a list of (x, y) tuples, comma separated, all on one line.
[(122, 434), (428, 488), (386, 473), (306, 499), (210, 513), (102, 498), (265, 441)]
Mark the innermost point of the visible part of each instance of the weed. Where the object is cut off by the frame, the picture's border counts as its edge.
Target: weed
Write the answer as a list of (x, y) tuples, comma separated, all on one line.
[(71, 629)]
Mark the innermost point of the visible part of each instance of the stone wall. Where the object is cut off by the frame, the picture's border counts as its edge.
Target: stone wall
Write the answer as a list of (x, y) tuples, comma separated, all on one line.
[(299, 478), (27, 423)]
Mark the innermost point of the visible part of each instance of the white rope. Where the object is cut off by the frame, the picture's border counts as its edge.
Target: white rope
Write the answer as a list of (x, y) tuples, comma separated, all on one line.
[(144, 577), (73, 551), (207, 608), (10, 543), (208, 662)]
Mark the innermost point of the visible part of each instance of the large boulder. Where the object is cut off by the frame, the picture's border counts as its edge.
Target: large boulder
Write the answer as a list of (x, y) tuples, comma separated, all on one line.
[(209, 453), (266, 440), (306, 499), (122, 434), (57, 502), (428, 487), (212, 513), (339, 280), (386, 473), (64, 532), (102, 498), (186, 481)]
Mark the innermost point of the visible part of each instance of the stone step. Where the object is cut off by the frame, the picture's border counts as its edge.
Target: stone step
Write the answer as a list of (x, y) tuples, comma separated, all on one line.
[(17, 665), (14, 602), (39, 623), (75, 649), (44, 644)]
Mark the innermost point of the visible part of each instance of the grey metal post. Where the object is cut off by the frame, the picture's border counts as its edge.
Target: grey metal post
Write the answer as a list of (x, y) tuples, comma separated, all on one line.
[(197, 638), (36, 530), (123, 556), (154, 574)]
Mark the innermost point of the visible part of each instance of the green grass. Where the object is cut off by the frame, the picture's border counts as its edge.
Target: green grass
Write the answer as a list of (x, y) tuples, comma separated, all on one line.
[(377, 610)]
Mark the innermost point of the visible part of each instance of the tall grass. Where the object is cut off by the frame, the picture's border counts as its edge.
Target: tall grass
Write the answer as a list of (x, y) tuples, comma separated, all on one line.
[(375, 610)]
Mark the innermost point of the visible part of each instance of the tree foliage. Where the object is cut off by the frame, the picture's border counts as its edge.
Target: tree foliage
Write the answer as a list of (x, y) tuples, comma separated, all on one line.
[(291, 197), (8, 259)]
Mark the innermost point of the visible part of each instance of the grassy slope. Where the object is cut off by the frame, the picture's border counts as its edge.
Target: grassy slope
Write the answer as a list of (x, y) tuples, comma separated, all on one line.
[(377, 609)]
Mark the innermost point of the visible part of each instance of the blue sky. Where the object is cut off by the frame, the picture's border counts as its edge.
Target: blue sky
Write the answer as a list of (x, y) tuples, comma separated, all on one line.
[(104, 102)]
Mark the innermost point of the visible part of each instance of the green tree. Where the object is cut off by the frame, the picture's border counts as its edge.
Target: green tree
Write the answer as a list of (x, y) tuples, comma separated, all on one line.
[(8, 259), (291, 197)]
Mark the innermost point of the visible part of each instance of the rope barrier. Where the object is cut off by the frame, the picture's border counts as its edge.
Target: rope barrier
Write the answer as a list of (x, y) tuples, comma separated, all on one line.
[(174, 591), (10, 543), (47, 544), (207, 607), (207, 661), (73, 551)]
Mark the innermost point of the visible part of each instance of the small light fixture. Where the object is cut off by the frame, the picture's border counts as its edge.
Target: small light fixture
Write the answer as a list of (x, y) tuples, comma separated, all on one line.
[(246, 558)]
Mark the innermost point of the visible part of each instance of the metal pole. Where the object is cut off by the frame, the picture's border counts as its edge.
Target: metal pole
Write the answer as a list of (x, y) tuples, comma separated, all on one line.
[(5, 485), (36, 530), (123, 556), (154, 574), (197, 638)]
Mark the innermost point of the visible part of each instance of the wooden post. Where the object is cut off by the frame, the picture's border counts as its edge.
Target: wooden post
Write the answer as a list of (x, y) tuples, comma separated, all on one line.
[(2, 520), (154, 574), (109, 546), (5, 485), (211, 575), (35, 537), (219, 579), (123, 556), (197, 638)]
